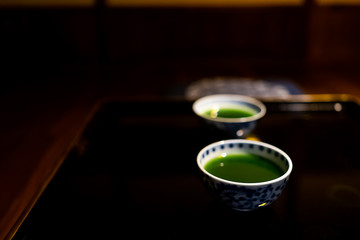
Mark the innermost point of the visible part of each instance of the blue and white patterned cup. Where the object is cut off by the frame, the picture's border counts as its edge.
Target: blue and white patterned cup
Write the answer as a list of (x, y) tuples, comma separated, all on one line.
[(235, 127), (245, 196)]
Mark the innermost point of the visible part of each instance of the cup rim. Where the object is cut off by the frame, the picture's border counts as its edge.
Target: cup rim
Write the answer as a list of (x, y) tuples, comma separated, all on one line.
[(233, 97), (258, 143)]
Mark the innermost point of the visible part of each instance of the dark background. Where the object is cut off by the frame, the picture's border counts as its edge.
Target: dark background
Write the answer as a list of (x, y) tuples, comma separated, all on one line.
[(136, 48), (58, 62)]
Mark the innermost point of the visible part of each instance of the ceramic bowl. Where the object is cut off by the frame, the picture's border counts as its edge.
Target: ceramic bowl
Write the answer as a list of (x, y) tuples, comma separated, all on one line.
[(244, 196), (235, 127)]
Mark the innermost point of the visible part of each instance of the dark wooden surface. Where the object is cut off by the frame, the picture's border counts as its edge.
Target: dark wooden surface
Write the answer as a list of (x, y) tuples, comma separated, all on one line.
[(58, 64)]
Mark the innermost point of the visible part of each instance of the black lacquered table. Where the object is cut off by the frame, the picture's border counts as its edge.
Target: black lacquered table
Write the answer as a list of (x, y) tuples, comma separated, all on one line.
[(134, 174)]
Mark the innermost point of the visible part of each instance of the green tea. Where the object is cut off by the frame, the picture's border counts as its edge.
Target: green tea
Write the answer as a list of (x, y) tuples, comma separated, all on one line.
[(243, 167), (224, 112)]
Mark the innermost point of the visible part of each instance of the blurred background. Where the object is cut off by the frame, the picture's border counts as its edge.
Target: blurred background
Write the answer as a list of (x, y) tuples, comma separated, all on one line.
[(145, 47), (59, 58)]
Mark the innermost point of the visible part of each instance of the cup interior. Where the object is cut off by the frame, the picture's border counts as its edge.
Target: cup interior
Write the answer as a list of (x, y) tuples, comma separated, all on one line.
[(234, 146), (252, 105)]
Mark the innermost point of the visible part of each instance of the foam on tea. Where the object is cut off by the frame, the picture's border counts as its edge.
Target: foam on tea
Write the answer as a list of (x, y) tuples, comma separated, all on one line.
[(229, 111), (243, 167)]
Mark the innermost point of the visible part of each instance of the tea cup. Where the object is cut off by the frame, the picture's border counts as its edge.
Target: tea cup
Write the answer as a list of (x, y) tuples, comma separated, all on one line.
[(244, 196), (237, 115)]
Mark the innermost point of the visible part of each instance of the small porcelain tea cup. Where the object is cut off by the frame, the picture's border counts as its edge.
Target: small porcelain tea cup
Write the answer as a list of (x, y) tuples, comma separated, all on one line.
[(237, 127), (245, 196)]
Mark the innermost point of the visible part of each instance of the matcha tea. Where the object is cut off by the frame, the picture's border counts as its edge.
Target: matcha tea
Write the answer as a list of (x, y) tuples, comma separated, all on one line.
[(243, 167), (229, 112)]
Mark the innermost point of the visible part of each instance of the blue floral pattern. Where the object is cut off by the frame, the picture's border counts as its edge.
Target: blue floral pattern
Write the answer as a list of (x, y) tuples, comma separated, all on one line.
[(245, 197)]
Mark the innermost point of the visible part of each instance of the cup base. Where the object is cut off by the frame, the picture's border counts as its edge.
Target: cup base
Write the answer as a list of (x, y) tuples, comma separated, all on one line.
[(250, 209), (242, 210)]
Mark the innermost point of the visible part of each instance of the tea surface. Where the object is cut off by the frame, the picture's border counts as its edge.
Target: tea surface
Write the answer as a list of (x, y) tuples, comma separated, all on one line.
[(244, 167), (229, 113)]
